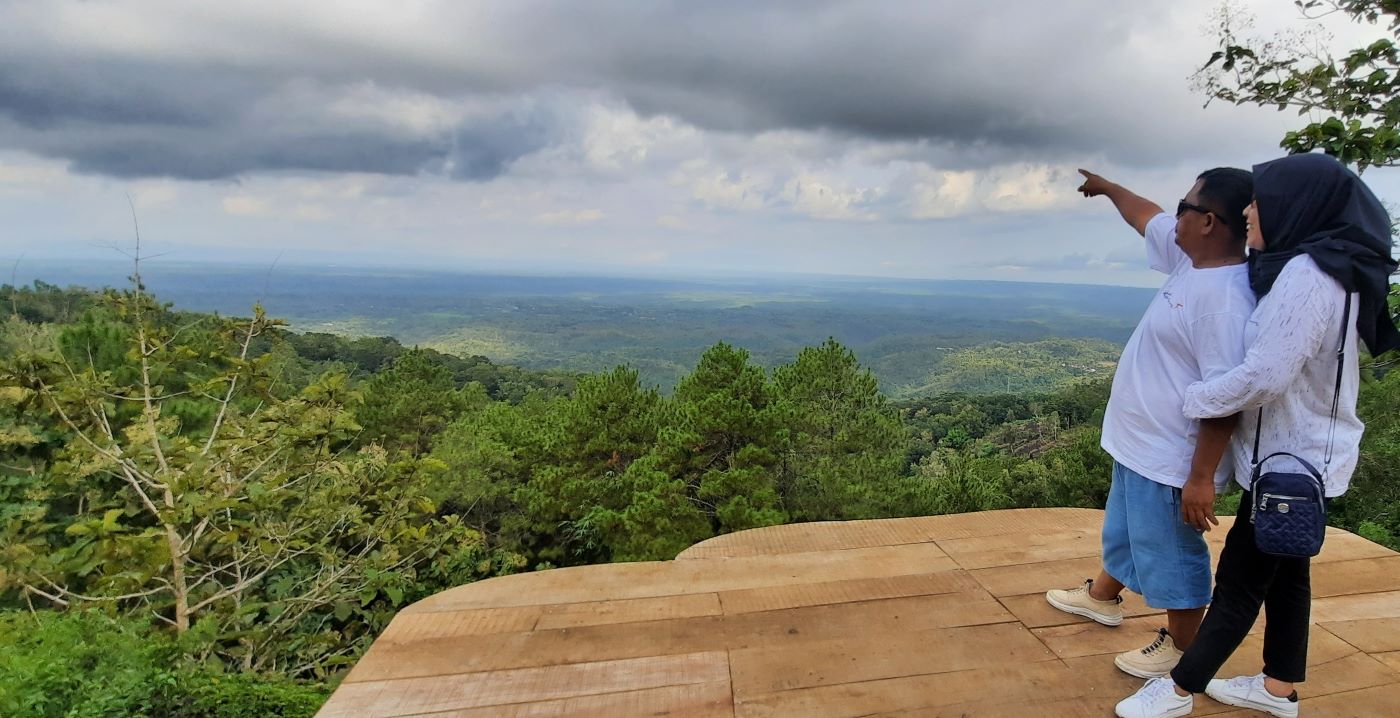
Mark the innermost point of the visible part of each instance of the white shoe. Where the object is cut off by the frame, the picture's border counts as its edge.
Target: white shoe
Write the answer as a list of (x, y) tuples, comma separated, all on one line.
[(1156, 699), (1249, 692), (1078, 602)]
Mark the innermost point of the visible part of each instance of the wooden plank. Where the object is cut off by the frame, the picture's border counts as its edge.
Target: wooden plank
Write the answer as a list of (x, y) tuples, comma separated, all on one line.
[(1369, 575), (1367, 703), (1101, 684), (1373, 635), (1061, 708), (877, 562), (561, 585), (706, 700), (1346, 546), (1088, 639), (863, 658), (1011, 521), (1037, 577), (426, 695), (770, 598), (1333, 664), (809, 537), (896, 616), (866, 618), (1390, 659), (1010, 684), (634, 610), (1013, 549), (391, 657), (829, 535), (652, 579), (394, 659), (1356, 607), (1332, 668), (1032, 610), (454, 624), (1349, 673)]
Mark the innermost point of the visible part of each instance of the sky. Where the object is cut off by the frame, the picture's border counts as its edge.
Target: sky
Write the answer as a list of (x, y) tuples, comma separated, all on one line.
[(906, 139)]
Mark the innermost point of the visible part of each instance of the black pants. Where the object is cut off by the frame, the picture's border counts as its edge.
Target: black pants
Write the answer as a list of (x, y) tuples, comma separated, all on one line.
[(1245, 579)]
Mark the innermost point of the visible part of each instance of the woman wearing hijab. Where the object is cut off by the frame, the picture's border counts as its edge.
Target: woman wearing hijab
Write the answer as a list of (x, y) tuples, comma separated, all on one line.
[(1319, 238)]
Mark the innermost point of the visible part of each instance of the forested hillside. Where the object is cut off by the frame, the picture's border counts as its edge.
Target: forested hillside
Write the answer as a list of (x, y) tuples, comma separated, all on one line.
[(917, 336), (249, 506)]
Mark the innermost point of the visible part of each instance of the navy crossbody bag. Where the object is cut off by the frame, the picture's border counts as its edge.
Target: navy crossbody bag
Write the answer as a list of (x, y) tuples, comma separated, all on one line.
[(1289, 512)]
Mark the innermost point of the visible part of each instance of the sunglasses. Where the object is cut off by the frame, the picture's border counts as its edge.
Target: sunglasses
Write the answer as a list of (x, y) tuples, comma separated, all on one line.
[(1183, 205)]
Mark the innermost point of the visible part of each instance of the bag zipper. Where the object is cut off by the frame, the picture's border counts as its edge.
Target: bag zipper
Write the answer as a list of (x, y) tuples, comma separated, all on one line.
[(1290, 498)]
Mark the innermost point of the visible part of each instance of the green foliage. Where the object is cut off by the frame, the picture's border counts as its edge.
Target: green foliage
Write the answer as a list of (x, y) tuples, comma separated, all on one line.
[(1228, 503), (1013, 368), (272, 499), (1019, 424), (846, 446), (1352, 97), (726, 441), (488, 455), (252, 531), (88, 665), (411, 401), (1372, 531), (43, 303), (608, 423), (1374, 497), (959, 483)]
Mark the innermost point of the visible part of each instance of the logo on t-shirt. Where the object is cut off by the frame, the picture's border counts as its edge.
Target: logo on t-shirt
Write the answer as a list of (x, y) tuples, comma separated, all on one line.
[(1167, 295)]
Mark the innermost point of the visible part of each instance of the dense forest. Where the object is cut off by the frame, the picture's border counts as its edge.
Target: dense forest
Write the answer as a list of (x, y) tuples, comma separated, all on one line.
[(207, 515), (917, 336)]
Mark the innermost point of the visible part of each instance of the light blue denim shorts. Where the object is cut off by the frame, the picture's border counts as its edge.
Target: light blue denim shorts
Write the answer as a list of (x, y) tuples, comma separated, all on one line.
[(1148, 548)]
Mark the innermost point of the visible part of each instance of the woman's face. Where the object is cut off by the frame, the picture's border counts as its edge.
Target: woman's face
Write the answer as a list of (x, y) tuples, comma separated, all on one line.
[(1253, 238)]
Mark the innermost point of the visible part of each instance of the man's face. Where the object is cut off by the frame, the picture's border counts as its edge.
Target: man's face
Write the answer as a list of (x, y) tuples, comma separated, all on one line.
[(1193, 225)]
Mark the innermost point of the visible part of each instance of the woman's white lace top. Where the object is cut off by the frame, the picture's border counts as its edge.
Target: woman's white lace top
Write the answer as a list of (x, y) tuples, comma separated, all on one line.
[(1290, 369)]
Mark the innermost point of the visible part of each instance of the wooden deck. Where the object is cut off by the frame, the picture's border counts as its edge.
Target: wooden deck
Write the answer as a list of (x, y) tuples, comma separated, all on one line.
[(926, 616)]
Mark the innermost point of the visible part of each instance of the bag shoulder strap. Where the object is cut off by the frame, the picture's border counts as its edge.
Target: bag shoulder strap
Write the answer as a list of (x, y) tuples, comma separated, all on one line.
[(1336, 398)]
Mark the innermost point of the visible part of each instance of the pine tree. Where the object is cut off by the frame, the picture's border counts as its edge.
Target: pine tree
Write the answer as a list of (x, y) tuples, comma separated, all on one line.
[(727, 439), (845, 445), (410, 402)]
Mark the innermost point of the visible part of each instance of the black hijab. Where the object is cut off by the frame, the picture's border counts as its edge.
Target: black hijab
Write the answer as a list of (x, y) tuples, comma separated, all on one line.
[(1311, 204)]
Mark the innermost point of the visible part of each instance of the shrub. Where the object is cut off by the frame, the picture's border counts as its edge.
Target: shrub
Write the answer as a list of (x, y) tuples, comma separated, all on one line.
[(88, 665)]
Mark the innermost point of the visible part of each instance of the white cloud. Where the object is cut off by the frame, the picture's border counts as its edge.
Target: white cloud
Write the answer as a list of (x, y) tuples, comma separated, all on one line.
[(244, 205), (940, 194), (153, 194), (570, 217), (880, 138), (718, 188), (616, 139), (30, 174), (822, 198)]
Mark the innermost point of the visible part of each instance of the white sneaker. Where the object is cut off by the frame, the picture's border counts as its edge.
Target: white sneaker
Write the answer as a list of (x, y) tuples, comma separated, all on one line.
[(1080, 603), (1249, 692), (1156, 699)]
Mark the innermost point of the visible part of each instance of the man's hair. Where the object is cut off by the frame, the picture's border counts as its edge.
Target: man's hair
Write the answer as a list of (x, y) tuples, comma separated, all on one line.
[(1228, 191)]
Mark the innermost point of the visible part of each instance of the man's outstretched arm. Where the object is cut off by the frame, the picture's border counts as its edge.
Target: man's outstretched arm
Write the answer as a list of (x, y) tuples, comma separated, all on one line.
[(1137, 211)]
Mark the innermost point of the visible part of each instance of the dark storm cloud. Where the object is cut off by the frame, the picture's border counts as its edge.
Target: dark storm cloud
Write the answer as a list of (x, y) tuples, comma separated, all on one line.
[(1023, 80), (481, 149)]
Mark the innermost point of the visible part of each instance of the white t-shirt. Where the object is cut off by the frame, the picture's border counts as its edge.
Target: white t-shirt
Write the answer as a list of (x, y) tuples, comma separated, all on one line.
[(1192, 330), (1291, 370)]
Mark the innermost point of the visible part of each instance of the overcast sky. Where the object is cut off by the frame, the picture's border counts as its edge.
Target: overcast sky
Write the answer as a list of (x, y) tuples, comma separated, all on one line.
[(914, 139)]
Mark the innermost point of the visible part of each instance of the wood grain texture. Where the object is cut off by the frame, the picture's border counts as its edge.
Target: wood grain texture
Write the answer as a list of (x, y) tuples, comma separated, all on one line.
[(931, 616)]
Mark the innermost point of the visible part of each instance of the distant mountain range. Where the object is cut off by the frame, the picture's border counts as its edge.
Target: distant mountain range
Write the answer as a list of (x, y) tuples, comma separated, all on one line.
[(918, 336)]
